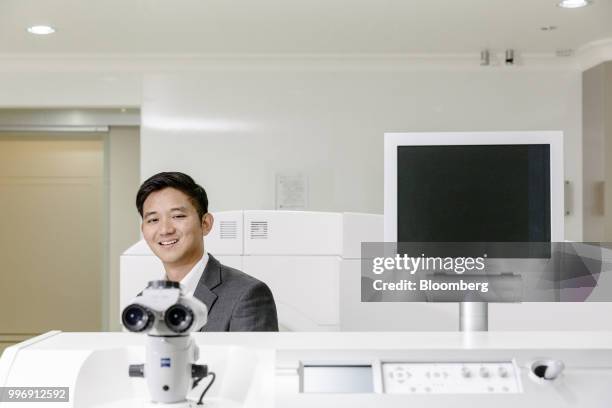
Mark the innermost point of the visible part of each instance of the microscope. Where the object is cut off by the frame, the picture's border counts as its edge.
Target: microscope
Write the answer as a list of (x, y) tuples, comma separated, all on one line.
[(167, 316)]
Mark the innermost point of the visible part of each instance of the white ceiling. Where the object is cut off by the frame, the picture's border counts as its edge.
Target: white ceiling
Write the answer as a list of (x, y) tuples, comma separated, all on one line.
[(299, 26)]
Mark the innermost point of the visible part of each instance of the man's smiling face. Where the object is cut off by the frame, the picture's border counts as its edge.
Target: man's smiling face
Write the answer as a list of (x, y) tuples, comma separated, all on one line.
[(172, 227)]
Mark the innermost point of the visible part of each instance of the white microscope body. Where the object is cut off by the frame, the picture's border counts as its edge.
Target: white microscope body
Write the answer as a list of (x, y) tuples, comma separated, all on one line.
[(167, 316)]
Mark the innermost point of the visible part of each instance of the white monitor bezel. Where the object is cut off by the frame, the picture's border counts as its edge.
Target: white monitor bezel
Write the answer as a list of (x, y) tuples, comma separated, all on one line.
[(552, 138)]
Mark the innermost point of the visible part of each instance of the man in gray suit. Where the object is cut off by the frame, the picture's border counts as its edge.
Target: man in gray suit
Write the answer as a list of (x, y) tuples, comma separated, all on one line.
[(175, 218)]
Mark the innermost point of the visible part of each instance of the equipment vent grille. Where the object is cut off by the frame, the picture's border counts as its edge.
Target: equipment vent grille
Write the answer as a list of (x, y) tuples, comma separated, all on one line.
[(259, 230), (228, 230)]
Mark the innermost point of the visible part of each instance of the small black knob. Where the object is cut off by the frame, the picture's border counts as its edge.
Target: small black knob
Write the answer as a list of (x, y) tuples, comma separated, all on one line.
[(547, 369), (540, 371), (163, 284), (199, 371), (136, 370)]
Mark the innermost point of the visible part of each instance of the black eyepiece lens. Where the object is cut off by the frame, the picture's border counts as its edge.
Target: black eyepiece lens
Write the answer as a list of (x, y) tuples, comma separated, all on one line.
[(136, 318), (179, 318)]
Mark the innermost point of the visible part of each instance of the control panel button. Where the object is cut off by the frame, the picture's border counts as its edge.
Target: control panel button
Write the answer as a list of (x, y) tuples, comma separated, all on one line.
[(451, 378)]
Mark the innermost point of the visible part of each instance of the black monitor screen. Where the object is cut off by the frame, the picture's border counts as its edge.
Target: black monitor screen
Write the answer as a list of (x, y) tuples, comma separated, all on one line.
[(473, 193)]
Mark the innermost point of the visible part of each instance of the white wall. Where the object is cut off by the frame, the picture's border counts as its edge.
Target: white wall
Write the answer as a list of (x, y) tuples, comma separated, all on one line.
[(233, 129), (234, 125), (41, 85), (234, 122), (123, 228)]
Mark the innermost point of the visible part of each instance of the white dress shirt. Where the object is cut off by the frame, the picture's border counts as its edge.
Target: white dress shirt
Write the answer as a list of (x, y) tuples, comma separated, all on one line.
[(190, 282)]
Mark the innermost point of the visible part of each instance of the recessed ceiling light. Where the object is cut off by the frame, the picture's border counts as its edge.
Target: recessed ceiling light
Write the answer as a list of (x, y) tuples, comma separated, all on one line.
[(41, 30), (574, 3)]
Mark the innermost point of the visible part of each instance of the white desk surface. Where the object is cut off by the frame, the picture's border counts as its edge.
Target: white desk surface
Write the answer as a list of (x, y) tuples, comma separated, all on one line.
[(344, 340)]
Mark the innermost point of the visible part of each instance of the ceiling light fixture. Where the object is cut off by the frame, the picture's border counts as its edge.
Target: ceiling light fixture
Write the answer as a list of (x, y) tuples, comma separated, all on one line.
[(41, 30), (574, 3)]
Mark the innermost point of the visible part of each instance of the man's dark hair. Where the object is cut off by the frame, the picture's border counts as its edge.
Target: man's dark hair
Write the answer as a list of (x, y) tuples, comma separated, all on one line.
[(179, 181)]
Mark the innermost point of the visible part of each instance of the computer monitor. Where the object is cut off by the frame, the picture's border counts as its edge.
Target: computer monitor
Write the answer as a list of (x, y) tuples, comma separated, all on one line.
[(474, 187)]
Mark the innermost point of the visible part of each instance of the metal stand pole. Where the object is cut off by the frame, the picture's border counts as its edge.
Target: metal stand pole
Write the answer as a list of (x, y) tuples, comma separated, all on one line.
[(473, 316)]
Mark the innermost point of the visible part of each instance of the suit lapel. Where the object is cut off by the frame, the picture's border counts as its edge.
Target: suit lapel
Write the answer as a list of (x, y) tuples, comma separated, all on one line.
[(211, 278)]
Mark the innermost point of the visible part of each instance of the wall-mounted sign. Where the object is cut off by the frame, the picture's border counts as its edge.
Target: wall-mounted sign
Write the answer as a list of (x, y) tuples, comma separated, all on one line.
[(291, 191)]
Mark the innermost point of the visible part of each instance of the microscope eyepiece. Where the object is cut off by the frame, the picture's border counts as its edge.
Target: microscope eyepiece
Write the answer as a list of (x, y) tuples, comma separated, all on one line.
[(137, 318), (162, 310), (167, 315), (178, 318)]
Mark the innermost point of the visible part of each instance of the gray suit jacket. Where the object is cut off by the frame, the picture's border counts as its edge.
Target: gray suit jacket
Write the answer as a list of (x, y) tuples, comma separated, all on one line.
[(235, 300)]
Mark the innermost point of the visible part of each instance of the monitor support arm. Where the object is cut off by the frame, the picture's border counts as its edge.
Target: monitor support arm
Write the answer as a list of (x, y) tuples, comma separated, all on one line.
[(473, 316)]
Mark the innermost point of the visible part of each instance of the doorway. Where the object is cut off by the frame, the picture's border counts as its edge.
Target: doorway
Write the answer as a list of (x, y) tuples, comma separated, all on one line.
[(51, 234)]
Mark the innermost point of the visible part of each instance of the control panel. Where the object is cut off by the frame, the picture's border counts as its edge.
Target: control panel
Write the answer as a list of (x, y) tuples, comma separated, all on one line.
[(450, 378)]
